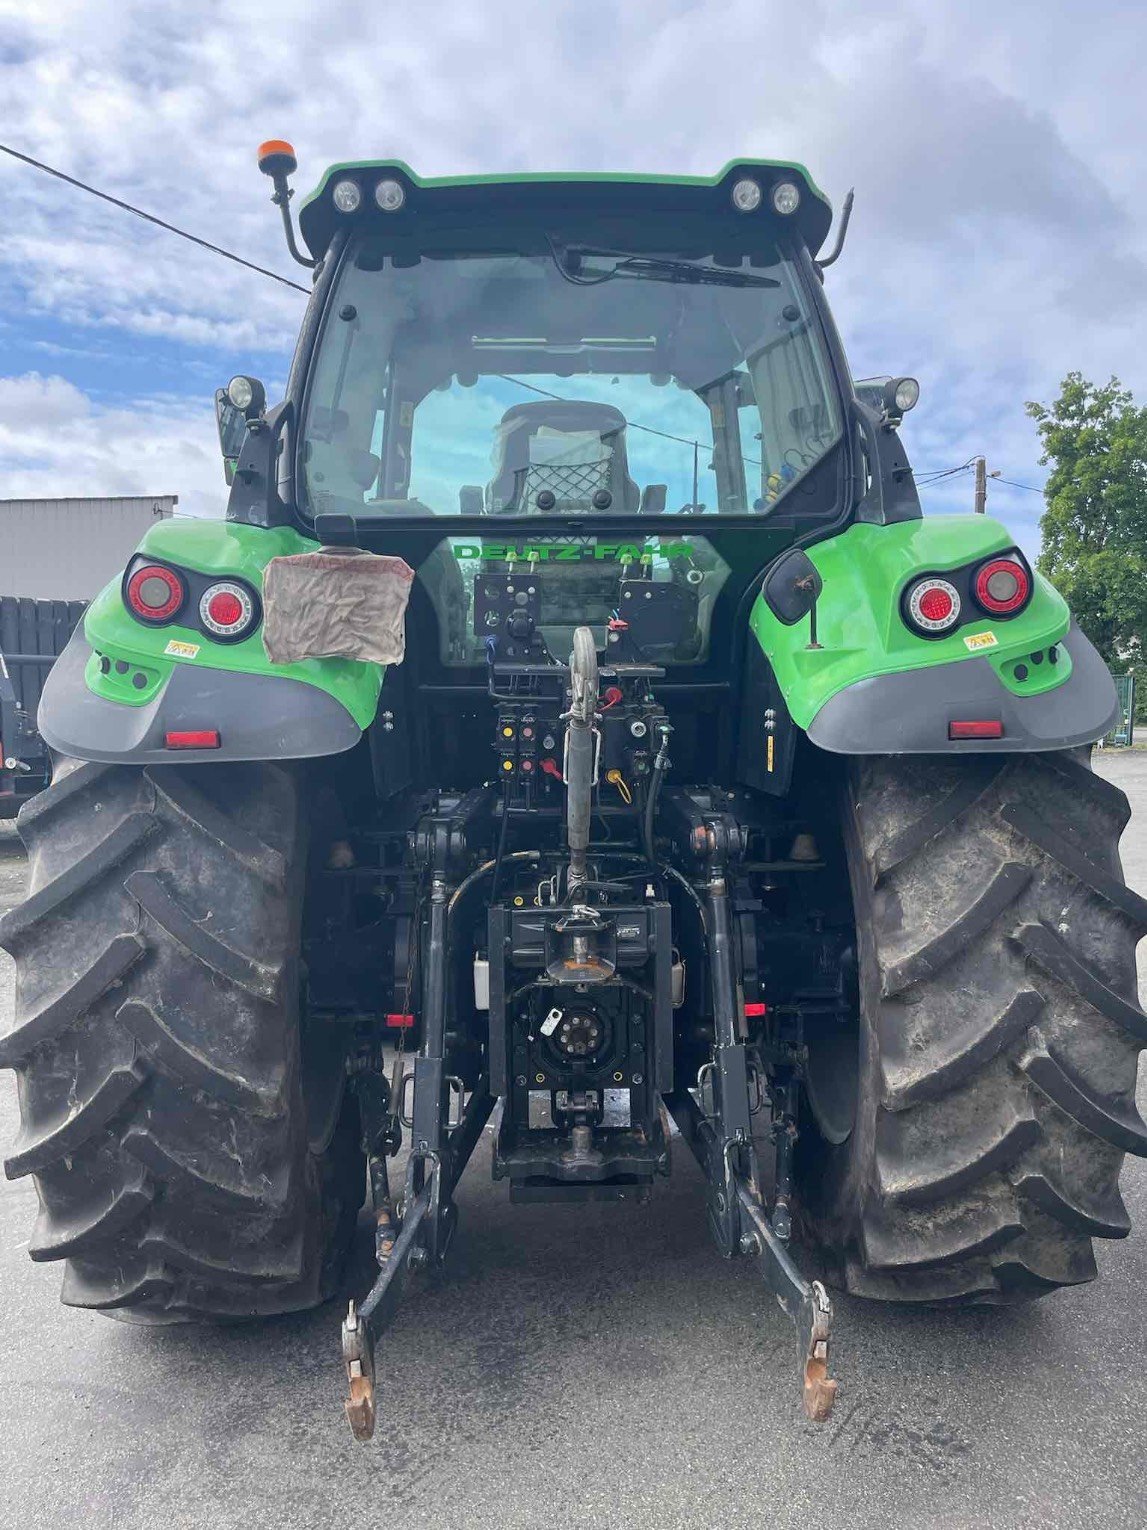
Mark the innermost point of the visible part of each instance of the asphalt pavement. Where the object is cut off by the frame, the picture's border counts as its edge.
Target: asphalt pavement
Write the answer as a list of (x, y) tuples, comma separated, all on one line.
[(579, 1366)]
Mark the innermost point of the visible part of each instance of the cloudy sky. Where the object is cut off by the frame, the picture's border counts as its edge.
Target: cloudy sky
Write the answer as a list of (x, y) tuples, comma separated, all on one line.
[(999, 238)]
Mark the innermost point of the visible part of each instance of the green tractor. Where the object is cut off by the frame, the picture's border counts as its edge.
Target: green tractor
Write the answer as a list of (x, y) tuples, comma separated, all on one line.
[(574, 723)]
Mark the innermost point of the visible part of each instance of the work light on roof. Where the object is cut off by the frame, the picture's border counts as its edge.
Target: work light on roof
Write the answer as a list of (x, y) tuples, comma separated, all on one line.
[(786, 197), (746, 195), (347, 196), (390, 195)]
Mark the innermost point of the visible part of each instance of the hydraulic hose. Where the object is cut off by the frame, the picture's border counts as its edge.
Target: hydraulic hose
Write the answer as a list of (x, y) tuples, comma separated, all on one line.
[(657, 775)]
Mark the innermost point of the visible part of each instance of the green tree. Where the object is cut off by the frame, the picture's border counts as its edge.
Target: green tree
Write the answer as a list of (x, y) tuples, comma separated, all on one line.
[(1095, 525)]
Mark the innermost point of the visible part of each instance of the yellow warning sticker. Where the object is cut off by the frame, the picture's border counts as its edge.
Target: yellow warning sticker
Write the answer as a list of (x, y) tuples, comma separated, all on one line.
[(976, 640), (177, 650)]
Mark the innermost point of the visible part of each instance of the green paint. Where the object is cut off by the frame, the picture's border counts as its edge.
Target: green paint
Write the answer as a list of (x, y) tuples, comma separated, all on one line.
[(224, 548), (860, 629)]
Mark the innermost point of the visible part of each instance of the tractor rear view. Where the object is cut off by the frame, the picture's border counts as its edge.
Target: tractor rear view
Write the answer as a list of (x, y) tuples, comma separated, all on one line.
[(573, 723)]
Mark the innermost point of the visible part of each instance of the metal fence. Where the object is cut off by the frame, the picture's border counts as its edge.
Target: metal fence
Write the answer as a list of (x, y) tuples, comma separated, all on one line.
[(1123, 733)]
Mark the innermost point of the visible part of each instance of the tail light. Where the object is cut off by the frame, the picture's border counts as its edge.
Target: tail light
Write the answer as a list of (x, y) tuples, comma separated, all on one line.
[(228, 611), (1002, 586), (154, 594), (932, 606)]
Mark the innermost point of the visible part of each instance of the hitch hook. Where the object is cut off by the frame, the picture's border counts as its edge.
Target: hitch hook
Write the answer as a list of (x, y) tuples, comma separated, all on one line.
[(358, 1357), (819, 1387)]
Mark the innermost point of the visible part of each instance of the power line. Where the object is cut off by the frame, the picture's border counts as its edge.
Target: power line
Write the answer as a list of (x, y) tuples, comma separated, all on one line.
[(1031, 488), (151, 218), (931, 476), (926, 478)]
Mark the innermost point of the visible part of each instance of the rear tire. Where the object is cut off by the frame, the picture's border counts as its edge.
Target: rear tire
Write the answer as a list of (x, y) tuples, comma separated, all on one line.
[(192, 1148), (999, 1032)]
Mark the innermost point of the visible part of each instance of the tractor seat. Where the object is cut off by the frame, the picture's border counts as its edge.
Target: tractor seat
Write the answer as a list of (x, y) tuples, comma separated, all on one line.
[(561, 457)]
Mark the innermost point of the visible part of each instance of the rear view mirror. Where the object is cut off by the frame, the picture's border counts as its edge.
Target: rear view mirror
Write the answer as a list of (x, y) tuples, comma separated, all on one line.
[(792, 586), (232, 427)]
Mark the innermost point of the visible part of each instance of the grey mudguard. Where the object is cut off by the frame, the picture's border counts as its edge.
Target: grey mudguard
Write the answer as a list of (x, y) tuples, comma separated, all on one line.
[(909, 712), (258, 717)]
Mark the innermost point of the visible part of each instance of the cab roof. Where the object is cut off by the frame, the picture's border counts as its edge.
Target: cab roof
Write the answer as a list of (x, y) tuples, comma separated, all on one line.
[(568, 193)]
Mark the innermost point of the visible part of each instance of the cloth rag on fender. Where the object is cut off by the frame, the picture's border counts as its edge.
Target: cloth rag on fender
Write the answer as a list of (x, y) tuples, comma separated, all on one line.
[(336, 603)]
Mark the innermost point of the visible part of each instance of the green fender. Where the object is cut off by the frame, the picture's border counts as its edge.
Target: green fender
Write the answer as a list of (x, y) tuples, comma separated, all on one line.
[(120, 686), (874, 686)]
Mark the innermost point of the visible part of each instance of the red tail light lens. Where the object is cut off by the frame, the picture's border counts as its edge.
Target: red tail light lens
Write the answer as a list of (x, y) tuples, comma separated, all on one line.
[(1002, 586), (154, 594), (227, 610), (932, 606)]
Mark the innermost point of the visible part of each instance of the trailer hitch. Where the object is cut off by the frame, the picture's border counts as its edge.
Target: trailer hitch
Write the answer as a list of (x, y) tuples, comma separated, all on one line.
[(741, 1226), (423, 1237), (721, 1137), (806, 1302), (362, 1324)]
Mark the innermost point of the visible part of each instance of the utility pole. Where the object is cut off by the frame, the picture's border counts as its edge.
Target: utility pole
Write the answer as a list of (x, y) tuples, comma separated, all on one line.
[(981, 504)]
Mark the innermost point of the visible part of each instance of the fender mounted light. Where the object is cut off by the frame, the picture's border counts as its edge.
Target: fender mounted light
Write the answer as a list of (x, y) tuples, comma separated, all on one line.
[(154, 594), (932, 606), (228, 611), (1002, 586)]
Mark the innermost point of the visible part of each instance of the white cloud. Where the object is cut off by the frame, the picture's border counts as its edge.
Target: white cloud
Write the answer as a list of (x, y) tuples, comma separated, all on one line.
[(999, 233), (56, 441)]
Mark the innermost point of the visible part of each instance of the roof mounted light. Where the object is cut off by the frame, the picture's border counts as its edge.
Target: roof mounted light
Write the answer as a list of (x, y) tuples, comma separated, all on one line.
[(746, 195), (347, 196), (786, 198), (390, 195)]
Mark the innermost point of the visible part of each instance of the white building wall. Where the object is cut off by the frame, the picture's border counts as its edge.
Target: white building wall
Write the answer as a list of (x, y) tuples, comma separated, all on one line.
[(68, 549)]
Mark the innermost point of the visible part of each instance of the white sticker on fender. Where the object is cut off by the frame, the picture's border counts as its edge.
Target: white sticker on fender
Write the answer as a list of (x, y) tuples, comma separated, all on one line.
[(976, 640), (178, 650)]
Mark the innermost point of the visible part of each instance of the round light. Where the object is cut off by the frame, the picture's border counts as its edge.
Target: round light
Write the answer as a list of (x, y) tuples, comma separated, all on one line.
[(154, 593), (746, 196), (933, 605), (240, 391), (347, 196), (786, 197), (907, 394), (226, 609), (390, 195), (1002, 586)]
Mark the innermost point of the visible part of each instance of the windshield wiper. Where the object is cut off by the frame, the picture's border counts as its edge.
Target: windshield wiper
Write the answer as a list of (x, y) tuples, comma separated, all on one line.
[(651, 268)]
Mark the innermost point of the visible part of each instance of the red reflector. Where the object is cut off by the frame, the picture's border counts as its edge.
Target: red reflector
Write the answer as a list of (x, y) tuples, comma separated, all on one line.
[(225, 609), (201, 738), (936, 605), (755, 1011), (980, 729), (400, 1022)]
